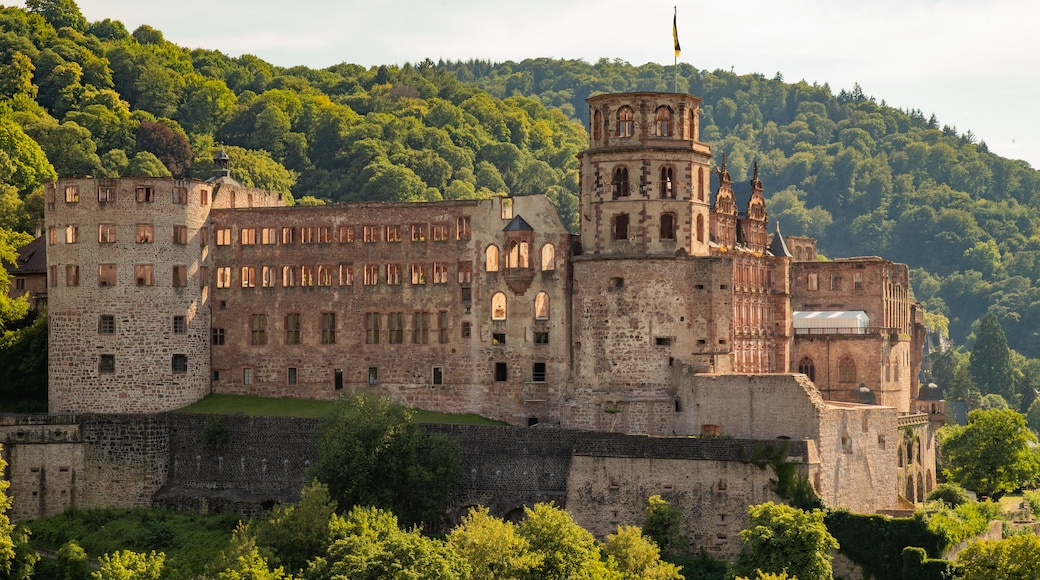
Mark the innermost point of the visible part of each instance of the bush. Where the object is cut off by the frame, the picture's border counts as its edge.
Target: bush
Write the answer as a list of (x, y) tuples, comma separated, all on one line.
[(951, 494)]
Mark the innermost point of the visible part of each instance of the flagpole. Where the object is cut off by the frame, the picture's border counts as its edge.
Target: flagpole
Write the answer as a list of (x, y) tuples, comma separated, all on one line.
[(675, 38)]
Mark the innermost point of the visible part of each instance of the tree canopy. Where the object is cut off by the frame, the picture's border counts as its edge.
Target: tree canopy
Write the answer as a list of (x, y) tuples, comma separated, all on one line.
[(782, 539), (991, 455)]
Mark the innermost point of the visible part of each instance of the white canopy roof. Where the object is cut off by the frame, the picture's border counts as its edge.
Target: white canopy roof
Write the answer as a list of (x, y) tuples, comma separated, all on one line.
[(830, 319)]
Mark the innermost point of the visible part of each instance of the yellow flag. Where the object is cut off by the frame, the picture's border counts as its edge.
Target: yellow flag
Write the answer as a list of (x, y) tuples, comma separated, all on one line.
[(675, 33)]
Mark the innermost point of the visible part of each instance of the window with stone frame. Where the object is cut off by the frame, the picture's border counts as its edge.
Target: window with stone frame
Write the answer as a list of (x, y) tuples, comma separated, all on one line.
[(71, 194), (292, 328), (72, 234), (663, 122), (624, 122), (144, 274), (418, 232), (180, 324), (106, 274), (620, 182), (224, 277), (287, 236), (106, 194), (418, 274), (247, 236), (180, 235), (179, 363), (395, 326), (807, 368), (371, 274), (346, 274), (145, 194), (548, 257), (541, 306), (223, 236), (345, 234), (324, 234), (620, 229), (328, 328), (442, 326), (106, 364), (71, 275), (258, 330), (370, 234), (491, 262), (217, 336), (180, 275), (393, 274), (249, 276), (668, 226), (306, 275), (462, 228), (465, 272), (52, 235), (420, 328), (667, 183), (439, 232), (846, 370), (393, 233), (288, 276), (498, 306), (268, 236), (440, 273), (107, 324), (106, 233), (307, 235), (268, 277), (324, 275), (372, 327), (180, 195)]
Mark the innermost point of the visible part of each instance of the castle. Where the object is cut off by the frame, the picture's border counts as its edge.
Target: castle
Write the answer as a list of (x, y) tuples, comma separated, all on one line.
[(673, 313)]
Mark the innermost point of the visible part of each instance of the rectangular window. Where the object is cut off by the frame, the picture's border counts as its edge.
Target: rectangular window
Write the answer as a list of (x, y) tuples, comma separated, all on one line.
[(107, 233), (52, 276), (835, 282), (292, 328), (620, 231), (52, 235), (498, 338), (501, 372), (180, 195), (203, 238), (247, 236), (106, 274), (466, 294), (144, 194), (371, 274), (180, 325), (418, 232), (438, 376), (247, 376), (106, 194), (48, 193), (180, 234), (249, 276), (371, 328), (439, 232), (324, 275), (307, 235), (180, 363), (440, 273), (107, 364), (307, 276), (328, 328), (258, 330), (813, 282), (857, 281), (224, 236), (442, 326), (204, 197), (287, 236), (395, 322), (107, 324), (465, 272), (268, 236), (467, 329), (393, 274), (224, 277), (71, 234), (144, 234), (71, 194), (288, 276), (393, 233), (507, 208), (346, 275), (180, 276), (371, 234), (217, 336), (345, 234), (268, 277), (462, 229), (421, 328), (541, 338), (144, 274), (71, 275), (373, 375), (418, 274), (325, 234), (538, 372), (290, 376), (19, 284)]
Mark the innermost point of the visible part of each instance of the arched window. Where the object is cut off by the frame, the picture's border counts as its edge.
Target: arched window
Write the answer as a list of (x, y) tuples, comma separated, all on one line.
[(807, 368), (664, 122), (491, 258), (621, 182), (541, 306), (700, 184), (667, 226), (597, 126), (846, 370), (667, 187), (624, 125), (498, 306), (548, 257), (700, 228)]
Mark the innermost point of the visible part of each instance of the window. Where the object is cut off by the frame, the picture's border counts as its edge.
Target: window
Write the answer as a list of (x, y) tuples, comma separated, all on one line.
[(52, 276), (247, 376), (667, 226), (107, 324), (268, 236), (248, 276), (393, 274), (395, 322), (813, 282), (507, 208), (465, 272), (268, 277), (467, 329), (498, 306), (106, 194), (498, 338), (71, 234), (345, 234), (624, 128), (307, 235), (857, 280), (288, 276), (700, 228), (440, 273), (180, 325), (106, 274), (328, 328), (144, 194), (371, 274), (224, 277), (290, 376), (462, 228), (418, 232), (180, 363), (548, 257), (597, 126), (501, 372), (439, 232), (258, 330), (71, 194), (666, 186), (287, 236), (466, 294), (224, 236), (371, 328), (48, 193), (393, 233), (180, 276), (664, 122), (307, 276), (144, 234), (541, 306), (442, 326), (107, 364), (52, 235), (19, 284), (373, 375), (203, 238), (438, 376), (846, 370), (180, 234), (518, 255), (292, 328), (419, 274), (324, 275), (107, 233), (324, 234), (346, 275), (835, 281), (71, 275), (370, 234), (806, 367), (204, 197), (541, 338), (421, 328), (180, 195), (247, 236), (217, 336), (538, 372), (144, 274), (491, 258), (620, 227), (620, 182)]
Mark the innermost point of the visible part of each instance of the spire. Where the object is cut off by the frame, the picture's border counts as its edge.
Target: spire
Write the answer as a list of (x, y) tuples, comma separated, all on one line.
[(778, 247), (756, 184), (221, 164), (723, 172)]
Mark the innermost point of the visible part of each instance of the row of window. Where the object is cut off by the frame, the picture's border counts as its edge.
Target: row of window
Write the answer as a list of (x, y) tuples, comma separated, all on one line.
[(518, 256), (846, 369), (813, 281), (107, 324), (143, 234), (144, 275), (142, 194), (291, 327), (107, 364), (666, 185), (392, 274), (439, 232), (663, 126), (501, 374), (620, 230)]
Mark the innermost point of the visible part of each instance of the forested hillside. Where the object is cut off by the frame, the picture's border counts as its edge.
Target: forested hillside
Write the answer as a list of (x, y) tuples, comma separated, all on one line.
[(79, 98)]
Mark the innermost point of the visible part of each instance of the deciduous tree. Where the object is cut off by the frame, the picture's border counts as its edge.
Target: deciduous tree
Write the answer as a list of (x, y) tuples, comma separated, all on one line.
[(991, 454), (781, 539)]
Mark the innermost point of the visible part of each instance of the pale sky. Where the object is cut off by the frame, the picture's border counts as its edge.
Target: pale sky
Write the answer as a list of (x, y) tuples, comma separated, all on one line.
[(974, 64)]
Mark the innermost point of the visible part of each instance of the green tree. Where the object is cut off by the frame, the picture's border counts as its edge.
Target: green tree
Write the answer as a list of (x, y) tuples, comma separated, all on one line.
[(781, 538), (297, 533), (993, 401), (128, 565), (990, 363), (663, 524), (252, 566), (30, 164), (58, 13), (637, 557), (371, 453), (73, 563), (567, 550), (493, 547), (951, 494), (145, 164), (1014, 558), (991, 454)]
